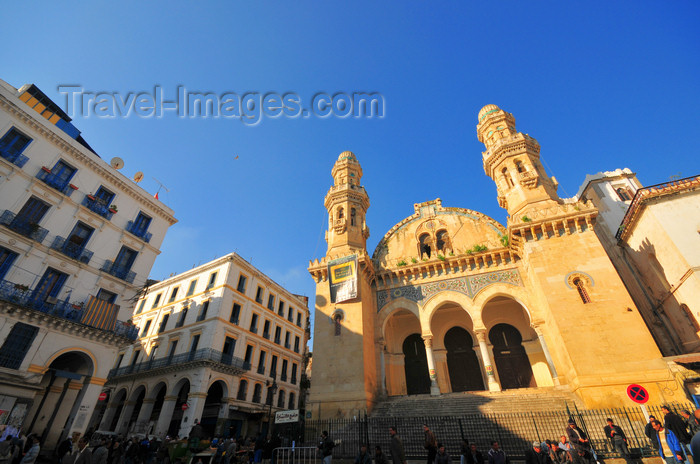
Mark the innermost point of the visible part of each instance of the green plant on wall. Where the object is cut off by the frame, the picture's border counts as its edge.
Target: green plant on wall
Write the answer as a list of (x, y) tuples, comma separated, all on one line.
[(401, 263), (526, 219), (414, 260), (441, 258), (504, 240)]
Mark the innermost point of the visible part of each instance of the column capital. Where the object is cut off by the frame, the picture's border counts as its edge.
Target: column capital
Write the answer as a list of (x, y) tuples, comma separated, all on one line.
[(170, 398), (197, 395), (148, 400), (480, 335), (428, 339), (381, 342)]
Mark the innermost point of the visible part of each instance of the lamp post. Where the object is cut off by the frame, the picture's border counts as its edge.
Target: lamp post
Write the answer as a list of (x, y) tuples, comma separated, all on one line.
[(271, 389)]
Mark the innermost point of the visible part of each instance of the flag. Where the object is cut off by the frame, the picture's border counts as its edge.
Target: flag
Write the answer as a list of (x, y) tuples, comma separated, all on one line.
[(155, 196)]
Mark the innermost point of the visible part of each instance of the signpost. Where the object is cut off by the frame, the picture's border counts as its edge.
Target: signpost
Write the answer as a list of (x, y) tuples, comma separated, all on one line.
[(639, 395)]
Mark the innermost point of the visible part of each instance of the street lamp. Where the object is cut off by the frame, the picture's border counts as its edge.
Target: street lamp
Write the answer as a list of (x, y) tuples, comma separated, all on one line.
[(271, 389)]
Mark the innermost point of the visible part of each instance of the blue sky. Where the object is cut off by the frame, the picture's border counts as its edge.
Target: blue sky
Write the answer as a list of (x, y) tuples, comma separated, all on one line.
[(601, 85)]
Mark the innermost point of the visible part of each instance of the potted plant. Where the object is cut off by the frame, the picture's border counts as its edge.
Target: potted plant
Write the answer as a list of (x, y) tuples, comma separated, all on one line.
[(91, 197), (20, 287), (113, 209), (45, 169), (74, 187)]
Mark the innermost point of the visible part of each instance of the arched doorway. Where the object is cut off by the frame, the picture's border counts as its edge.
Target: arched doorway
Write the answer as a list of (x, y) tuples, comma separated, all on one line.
[(512, 363), (178, 413), (160, 390), (416, 365), (462, 363), (119, 400), (137, 398), (212, 406)]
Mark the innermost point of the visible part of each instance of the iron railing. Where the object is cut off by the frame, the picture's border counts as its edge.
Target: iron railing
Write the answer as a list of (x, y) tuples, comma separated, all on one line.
[(70, 249), (21, 295), (56, 182), (142, 234), (514, 432), (15, 158), (204, 354), (23, 226), (96, 205), (120, 272)]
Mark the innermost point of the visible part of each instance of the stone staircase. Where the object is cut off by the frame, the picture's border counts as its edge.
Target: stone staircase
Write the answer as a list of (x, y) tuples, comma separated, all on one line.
[(482, 402)]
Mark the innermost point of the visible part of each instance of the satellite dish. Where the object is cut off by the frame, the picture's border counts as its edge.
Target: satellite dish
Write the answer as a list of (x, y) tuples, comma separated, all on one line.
[(117, 163), (138, 177)]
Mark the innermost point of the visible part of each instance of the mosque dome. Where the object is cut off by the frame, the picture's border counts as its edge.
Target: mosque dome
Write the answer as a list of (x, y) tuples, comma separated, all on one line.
[(347, 155), (487, 110)]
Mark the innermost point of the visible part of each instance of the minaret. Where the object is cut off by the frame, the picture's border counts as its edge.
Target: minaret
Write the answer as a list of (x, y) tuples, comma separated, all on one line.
[(347, 203), (512, 160)]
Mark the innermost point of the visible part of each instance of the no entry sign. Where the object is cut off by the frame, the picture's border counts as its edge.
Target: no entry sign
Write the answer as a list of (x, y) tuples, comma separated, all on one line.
[(637, 393)]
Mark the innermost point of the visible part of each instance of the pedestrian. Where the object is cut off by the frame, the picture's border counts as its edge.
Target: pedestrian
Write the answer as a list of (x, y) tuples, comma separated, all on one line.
[(326, 446), (564, 450), (651, 433), (64, 448), (496, 455), (690, 422), (670, 448), (379, 456), (82, 455), (364, 457), (579, 440), (474, 456), (33, 451), (463, 451), (6, 450), (675, 424), (442, 456), (100, 453), (617, 438), (535, 455), (398, 456), (430, 444)]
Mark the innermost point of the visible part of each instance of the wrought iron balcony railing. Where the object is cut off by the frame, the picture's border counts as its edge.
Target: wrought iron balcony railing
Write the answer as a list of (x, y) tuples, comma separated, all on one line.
[(70, 249), (142, 234), (76, 312), (56, 182), (120, 272), (17, 159), (97, 206), (205, 354), (23, 226)]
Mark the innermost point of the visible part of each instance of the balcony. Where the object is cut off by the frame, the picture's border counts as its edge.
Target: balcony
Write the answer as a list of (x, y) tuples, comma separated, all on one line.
[(120, 272), (23, 226), (142, 234), (70, 249), (17, 159), (86, 313), (97, 206), (206, 355), (55, 182)]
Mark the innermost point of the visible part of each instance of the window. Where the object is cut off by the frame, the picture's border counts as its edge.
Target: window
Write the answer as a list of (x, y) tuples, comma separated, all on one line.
[(299, 319), (106, 295), (173, 295), (273, 367), (296, 344), (171, 350), (283, 373), (261, 363), (280, 399), (139, 226), (278, 334), (248, 354), (353, 214), (103, 196), (227, 351), (578, 283), (266, 330), (242, 390), (292, 400), (624, 193), (519, 166), (286, 340), (443, 241), (280, 308), (119, 361), (190, 290), (77, 239), (424, 245), (141, 305), (7, 257), (58, 177), (689, 314), (271, 302), (163, 323), (235, 313), (17, 344), (157, 300), (241, 283), (336, 319), (181, 320), (135, 357), (294, 374), (147, 326), (270, 396), (203, 311), (195, 343), (290, 314), (125, 259), (13, 144), (154, 352), (212, 280), (507, 178), (259, 295), (254, 323), (26, 222), (257, 393), (341, 213), (50, 285)]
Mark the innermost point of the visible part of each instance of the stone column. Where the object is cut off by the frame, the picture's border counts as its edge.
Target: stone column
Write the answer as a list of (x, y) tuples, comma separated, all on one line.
[(145, 414), (124, 418), (91, 391), (166, 415), (545, 350), (195, 401), (55, 425), (434, 389), (382, 367), (108, 417), (486, 358)]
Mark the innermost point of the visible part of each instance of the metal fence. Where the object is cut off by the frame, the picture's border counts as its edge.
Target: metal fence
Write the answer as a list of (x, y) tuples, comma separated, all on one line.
[(515, 432)]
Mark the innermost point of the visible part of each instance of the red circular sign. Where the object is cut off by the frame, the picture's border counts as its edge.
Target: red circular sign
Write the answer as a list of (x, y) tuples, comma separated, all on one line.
[(184, 406), (102, 397), (637, 393)]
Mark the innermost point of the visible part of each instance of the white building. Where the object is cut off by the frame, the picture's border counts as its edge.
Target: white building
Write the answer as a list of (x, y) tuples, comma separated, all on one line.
[(77, 241), (221, 343)]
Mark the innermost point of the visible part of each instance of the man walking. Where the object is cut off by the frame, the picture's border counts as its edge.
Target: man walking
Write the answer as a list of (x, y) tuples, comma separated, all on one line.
[(675, 424), (430, 444), (497, 455), (326, 447), (617, 439), (398, 456), (670, 448)]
